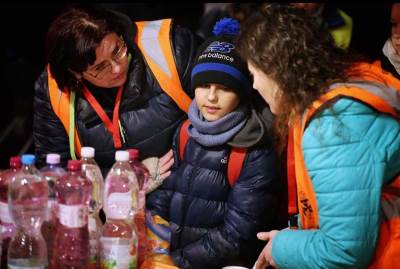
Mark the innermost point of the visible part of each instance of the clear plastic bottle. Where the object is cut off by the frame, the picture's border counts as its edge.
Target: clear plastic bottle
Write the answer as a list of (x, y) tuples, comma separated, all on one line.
[(142, 175), (7, 225), (51, 172), (118, 240), (71, 243), (92, 171), (27, 200), (1, 243), (141, 171)]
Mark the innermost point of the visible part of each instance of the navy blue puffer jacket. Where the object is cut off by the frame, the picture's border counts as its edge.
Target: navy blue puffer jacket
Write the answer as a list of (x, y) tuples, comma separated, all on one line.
[(212, 223), (148, 116)]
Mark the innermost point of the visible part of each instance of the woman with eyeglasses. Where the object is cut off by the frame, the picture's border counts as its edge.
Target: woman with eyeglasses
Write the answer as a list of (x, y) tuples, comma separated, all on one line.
[(111, 84)]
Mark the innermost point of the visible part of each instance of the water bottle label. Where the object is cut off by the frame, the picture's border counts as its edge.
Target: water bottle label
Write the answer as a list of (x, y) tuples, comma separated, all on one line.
[(72, 216), (24, 267), (51, 204), (4, 213), (119, 205), (116, 255)]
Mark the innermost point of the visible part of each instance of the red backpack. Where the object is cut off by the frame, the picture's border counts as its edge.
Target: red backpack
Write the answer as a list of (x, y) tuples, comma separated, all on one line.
[(235, 159)]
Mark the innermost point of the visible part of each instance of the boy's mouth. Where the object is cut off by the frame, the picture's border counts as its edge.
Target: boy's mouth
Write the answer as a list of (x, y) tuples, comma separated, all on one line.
[(211, 109)]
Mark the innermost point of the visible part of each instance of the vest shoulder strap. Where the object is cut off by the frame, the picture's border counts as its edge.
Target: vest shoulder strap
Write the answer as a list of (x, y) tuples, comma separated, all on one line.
[(63, 104), (379, 98), (235, 160), (153, 40), (375, 73)]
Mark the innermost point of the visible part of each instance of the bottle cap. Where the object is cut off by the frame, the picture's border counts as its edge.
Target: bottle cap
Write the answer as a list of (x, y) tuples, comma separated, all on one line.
[(74, 165), (133, 154), (121, 156), (28, 159), (15, 162), (87, 152), (53, 158)]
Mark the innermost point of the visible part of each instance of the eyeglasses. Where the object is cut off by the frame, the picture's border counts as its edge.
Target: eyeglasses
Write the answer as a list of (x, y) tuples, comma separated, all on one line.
[(104, 68)]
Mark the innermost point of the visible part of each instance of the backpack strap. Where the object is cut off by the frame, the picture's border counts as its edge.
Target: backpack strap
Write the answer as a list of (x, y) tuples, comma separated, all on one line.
[(235, 164), (183, 138), (235, 160)]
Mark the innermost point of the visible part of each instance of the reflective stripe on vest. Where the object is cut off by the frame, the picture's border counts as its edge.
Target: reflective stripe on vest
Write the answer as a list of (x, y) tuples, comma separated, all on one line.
[(63, 104), (375, 73), (385, 99), (153, 40)]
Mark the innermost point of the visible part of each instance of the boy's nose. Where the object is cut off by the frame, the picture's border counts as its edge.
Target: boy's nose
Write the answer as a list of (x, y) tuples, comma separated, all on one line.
[(212, 95)]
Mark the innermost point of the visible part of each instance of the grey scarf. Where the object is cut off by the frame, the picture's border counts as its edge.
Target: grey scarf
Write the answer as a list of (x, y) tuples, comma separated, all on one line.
[(218, 132)]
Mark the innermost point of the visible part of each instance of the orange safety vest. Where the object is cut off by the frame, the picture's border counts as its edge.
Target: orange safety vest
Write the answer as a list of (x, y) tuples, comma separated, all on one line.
[(153, 39), (301, 191)]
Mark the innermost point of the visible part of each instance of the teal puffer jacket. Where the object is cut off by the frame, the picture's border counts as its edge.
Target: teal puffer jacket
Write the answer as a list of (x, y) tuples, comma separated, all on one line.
[(350, 151)]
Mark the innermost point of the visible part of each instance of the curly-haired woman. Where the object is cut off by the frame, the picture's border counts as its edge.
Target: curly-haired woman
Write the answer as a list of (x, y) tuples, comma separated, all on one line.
[(341, 117)]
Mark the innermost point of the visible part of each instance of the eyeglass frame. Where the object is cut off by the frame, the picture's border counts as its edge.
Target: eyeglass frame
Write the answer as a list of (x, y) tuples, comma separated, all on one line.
[(114, 58)]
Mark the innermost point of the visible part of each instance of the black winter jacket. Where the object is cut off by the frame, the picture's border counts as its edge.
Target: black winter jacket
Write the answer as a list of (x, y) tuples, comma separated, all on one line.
[(213, 224), (148, 116)]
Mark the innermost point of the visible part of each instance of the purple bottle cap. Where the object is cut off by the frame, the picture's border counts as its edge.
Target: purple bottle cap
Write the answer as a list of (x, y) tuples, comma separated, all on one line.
[(53, 158)]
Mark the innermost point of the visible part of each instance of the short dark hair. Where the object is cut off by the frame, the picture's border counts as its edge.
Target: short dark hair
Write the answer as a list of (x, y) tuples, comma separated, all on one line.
[(72, 40)]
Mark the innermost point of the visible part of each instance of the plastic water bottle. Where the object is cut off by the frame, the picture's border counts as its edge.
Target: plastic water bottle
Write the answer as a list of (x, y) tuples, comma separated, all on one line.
[(141, 171), (7, 225), (73, 192), (51, 173), (1, 242), (27, 201), (142, 175), (118, 240), (92, 172)]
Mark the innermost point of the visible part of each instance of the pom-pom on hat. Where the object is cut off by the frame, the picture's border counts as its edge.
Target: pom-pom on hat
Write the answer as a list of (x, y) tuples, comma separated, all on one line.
[(218, 62)]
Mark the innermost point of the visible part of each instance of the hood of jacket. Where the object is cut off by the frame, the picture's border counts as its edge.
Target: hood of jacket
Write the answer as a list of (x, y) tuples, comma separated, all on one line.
[(258, 129)]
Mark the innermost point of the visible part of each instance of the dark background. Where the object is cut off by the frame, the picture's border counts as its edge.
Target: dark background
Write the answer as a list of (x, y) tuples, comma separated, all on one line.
[(22, 55)]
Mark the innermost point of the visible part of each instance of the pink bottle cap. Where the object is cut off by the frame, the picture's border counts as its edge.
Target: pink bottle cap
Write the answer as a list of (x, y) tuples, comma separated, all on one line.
[(74, 165), (15, 162), (133, 154)]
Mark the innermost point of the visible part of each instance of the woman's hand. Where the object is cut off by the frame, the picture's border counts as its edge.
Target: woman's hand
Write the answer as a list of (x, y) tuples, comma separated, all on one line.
[(165, 164), (159, 168), (265, 258)]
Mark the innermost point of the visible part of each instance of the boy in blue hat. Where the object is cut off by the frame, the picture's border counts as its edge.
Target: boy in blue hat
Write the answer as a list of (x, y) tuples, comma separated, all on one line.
[(214, 217)]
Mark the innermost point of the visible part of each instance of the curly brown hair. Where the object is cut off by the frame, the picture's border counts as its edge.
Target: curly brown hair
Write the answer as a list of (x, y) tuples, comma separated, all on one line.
[(288, 45)]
